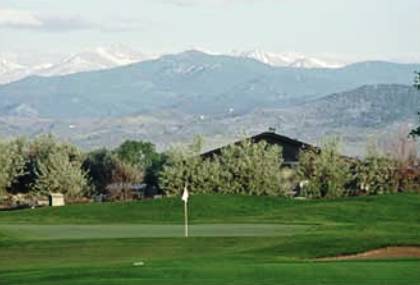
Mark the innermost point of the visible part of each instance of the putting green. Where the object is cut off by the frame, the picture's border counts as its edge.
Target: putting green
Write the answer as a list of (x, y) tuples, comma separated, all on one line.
[(59, 232)]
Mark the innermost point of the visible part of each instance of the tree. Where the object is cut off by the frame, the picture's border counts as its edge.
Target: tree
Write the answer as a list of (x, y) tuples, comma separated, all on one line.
[(110, 175), (326, 172), (124, 177), (59, 174), (100, 165), (137, 153), (56, 167), (416, 132), (142, 155), (12, 164)]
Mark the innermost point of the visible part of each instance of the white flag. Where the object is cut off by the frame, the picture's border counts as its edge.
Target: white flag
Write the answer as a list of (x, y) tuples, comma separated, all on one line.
[(185, 195)]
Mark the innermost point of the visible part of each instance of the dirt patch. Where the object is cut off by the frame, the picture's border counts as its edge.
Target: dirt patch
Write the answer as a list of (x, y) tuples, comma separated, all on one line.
[(381, 253)]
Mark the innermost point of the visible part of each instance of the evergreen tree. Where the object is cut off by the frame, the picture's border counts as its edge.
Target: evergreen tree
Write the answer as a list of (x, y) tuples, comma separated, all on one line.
[(100, 165), (12, 163), (56, 167), (59, 174)]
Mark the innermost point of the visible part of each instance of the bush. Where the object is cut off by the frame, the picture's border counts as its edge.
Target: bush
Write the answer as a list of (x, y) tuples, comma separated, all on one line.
[(325, 173), (183, 167), (376, 173), (244, 168), (408, 177), (253, 168)]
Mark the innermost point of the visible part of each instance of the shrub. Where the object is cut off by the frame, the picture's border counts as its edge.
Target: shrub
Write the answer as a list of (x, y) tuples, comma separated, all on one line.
[(376, 173), (326, 173), (243, 168), (254, 169), (183, 167)]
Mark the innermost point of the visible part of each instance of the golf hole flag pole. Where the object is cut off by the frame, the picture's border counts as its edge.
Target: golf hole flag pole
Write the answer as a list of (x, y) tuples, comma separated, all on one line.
[(184, 198)]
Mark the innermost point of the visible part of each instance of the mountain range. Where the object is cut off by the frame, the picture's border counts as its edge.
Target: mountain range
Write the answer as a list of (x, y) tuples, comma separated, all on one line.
[(174, 97), (289, 59), (117, 55), (86, 60)]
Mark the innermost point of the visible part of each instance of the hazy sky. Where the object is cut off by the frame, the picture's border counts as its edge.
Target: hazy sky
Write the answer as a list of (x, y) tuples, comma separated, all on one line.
[(372, 28)]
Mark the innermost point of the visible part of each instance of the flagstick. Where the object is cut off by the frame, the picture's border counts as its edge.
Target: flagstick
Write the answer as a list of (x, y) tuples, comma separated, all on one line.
[(186, 218)]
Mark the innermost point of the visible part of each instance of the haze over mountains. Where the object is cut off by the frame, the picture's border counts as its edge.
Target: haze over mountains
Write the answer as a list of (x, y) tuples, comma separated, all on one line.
[(117, 55), (174, 97), (86, 60)]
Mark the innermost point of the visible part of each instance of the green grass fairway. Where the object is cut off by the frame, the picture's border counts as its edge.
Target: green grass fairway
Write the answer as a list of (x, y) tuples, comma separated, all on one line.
[(66, 232), (234, 240)]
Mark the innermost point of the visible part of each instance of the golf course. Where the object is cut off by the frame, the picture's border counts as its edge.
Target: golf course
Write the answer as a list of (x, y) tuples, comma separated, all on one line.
[(233, 239)]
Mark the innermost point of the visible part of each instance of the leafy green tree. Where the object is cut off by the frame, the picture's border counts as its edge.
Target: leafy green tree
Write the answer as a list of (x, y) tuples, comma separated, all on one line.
[(137, 153), (326, 173), (144, 156), (12, 163)]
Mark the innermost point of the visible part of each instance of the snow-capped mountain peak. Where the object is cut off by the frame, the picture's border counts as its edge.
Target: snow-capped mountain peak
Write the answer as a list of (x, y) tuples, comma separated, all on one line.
[(7, 66), (95, 59), (87, 60), (289, 59), (11, 71)]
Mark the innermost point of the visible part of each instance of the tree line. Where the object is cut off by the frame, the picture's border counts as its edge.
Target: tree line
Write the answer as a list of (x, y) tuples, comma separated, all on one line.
[(257, 169), (35, 168)]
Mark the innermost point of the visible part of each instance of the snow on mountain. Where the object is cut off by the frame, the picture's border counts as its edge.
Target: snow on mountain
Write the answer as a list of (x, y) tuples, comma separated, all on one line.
[(87, 60), (96, 59), (7, 66), (11, 71), (289, 59)]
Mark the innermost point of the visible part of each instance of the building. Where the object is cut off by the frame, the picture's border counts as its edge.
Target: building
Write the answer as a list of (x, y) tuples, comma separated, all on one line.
[(56, 200), (291, 147)]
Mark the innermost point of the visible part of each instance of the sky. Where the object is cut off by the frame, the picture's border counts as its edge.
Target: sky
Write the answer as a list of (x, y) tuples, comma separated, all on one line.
[(343, 28)]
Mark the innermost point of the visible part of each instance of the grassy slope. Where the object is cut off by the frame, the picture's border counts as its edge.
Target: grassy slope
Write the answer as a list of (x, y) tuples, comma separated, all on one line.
[(230, 209), (343, 226)]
